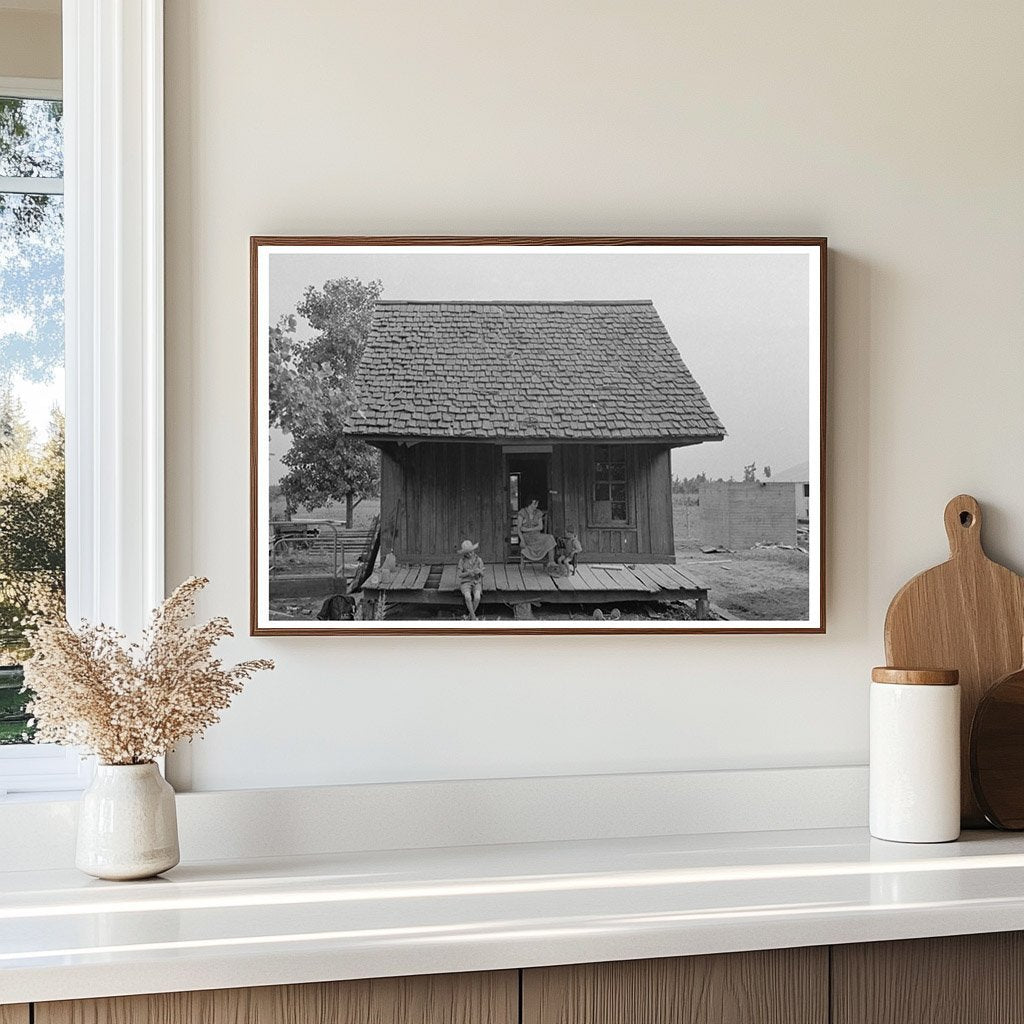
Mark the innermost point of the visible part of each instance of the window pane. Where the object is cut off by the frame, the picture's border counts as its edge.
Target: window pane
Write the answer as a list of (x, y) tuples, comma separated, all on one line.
[(618, 492), (13, 720), (31, 430), (619, 511), (601, 492), (31, 138)]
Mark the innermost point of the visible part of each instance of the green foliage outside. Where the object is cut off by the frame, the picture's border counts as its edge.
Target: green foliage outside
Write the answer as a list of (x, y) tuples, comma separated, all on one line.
[(312, 395), (31, 350), (31, 543), (13, 727)]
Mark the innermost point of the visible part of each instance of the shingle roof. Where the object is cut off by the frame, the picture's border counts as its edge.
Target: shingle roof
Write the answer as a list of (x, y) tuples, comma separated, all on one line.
[(527, 370)]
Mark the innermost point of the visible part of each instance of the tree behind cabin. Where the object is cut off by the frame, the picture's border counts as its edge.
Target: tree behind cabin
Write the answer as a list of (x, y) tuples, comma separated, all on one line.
[(311, 396)]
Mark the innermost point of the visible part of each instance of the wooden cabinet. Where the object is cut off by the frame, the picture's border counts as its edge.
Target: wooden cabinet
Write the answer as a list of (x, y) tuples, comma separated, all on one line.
[(778, 986), (491, 998), (967, 979), (962, 979)]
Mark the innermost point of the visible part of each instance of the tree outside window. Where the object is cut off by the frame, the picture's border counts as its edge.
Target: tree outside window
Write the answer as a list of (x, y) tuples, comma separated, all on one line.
[(31, 386)]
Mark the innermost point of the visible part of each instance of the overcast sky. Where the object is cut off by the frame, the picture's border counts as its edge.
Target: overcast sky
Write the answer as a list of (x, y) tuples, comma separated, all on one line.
[(740, 322)]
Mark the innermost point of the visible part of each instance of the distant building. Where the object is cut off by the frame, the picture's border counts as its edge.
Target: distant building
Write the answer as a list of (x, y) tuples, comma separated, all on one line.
[(799, 476), (737, 514)]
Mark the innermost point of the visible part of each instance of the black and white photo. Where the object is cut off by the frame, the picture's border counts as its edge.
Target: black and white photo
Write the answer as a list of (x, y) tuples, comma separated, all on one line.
[(537, 435)]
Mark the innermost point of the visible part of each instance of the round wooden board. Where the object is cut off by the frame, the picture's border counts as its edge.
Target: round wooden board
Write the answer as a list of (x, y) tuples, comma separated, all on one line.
[(997, 752)]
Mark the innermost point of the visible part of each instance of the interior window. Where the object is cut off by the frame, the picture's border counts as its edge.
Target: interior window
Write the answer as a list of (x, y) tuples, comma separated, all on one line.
[(611, 496), (31, 385)]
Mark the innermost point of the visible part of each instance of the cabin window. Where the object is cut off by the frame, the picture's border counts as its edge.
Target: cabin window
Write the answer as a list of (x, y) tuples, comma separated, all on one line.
[(610, 496)]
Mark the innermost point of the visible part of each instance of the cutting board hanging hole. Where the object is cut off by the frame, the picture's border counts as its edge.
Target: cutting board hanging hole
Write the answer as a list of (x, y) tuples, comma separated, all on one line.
[(963, 526)]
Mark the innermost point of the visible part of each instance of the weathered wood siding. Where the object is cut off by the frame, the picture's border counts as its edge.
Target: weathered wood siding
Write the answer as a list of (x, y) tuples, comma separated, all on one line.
[(649, 535), (433, 495), (739, 515)]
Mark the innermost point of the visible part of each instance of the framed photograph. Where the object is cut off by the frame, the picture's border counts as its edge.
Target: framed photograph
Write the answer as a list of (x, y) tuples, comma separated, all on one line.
[(537, 435)]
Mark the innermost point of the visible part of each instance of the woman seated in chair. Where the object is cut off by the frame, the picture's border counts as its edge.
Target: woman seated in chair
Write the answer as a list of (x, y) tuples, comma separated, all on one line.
[(534, 544)]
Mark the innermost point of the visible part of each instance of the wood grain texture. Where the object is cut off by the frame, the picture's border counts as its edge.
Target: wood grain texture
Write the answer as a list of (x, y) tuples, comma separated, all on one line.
[(14, 1014), (967, 614), (997, 752), (915, 676), (779, 986), (962, 979), (481, 998)]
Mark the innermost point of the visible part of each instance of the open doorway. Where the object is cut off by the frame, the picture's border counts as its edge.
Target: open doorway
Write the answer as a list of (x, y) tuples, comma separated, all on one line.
[(527, 477)]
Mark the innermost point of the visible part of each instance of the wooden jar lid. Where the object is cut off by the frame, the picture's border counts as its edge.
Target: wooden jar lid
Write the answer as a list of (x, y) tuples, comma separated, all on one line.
[(916, 676)]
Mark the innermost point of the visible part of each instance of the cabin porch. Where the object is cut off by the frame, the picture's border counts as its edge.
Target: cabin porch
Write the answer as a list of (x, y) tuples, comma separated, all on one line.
[(511, 584)]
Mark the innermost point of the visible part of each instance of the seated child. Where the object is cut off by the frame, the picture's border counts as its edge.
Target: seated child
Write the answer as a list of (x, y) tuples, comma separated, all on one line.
[(569, 549), (469, 576)]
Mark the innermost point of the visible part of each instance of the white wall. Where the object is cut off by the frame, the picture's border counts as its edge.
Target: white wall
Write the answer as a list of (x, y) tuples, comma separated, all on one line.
[(895, 129)]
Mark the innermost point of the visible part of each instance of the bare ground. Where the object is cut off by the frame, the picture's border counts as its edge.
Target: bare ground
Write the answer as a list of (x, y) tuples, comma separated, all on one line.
[(759, 583)]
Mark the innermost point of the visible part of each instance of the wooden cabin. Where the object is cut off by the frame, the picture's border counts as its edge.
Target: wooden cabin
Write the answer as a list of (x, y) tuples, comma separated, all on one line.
[(477, 407)]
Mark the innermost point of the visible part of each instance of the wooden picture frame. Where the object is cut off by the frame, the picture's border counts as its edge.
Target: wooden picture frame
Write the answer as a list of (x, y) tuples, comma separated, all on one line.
[(482, 370)]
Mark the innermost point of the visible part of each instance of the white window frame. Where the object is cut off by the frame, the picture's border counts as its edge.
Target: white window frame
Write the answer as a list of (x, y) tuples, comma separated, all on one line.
[(114, 348)]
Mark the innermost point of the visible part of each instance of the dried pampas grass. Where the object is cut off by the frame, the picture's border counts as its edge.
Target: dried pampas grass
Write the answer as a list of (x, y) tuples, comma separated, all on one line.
[(129, 703)]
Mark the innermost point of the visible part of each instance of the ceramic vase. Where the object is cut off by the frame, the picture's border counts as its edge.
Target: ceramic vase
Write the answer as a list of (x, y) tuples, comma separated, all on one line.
[(127, 825)]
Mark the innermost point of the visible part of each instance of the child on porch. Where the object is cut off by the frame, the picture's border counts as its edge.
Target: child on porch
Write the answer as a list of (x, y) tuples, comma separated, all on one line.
[(469, 575)]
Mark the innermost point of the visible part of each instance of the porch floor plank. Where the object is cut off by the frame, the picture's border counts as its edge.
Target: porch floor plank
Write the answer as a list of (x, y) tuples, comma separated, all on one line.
[(592, 582), (539, 578), (565, 582), (652, 584), (662, 578), (684, 577), (514, 575), (586, 574), (447, 578)]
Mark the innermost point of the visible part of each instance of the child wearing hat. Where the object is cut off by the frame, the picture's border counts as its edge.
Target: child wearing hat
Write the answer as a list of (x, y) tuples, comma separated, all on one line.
[(469, 575)]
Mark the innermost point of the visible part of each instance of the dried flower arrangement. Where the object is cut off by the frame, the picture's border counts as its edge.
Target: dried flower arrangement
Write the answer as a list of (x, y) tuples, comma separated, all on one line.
[(130, 703)]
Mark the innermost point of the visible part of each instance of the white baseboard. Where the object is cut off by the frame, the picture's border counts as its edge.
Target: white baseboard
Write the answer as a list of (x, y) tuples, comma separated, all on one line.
[(292, 822)]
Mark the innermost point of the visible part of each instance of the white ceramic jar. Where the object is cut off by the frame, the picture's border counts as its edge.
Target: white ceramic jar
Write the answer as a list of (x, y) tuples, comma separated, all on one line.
[(127, 823), (915, 755)]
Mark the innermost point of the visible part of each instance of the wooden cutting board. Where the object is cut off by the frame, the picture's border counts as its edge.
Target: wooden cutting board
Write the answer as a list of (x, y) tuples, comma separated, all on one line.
[(997, 752), (967, 614)]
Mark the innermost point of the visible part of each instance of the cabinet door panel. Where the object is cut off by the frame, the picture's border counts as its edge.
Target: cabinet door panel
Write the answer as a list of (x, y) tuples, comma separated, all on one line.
[(484, 998), (14, 1014), (779, 986), (960, 979)]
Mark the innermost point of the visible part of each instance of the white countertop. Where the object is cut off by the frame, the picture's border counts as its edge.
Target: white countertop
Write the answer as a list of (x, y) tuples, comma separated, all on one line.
[(351, 915)]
